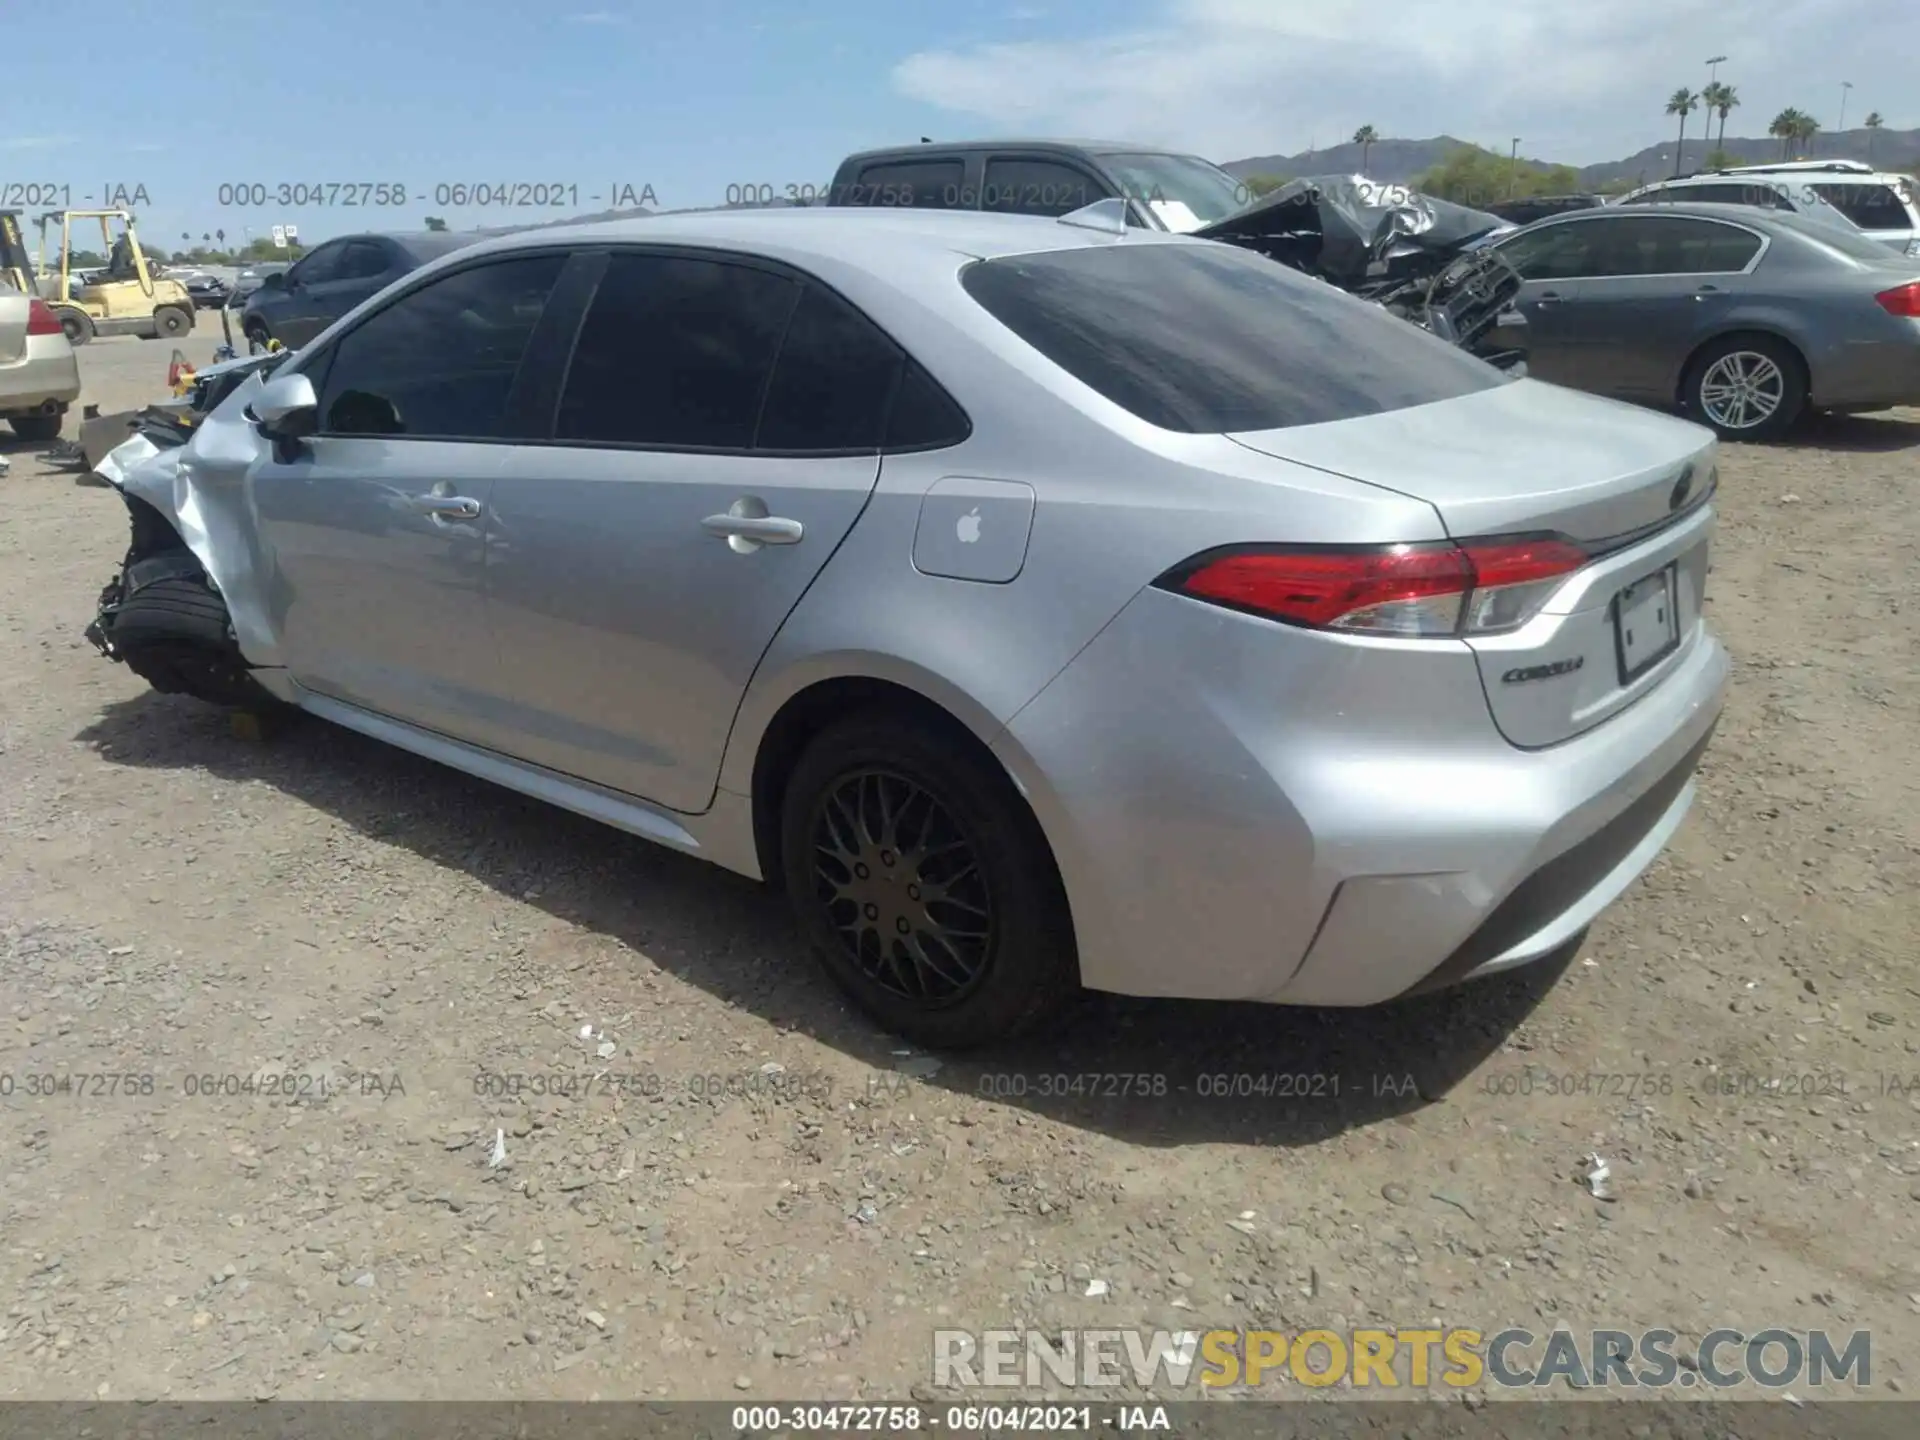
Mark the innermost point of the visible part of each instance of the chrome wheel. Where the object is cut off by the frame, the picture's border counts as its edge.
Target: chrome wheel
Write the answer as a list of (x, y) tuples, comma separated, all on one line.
[(1742, 390), (902, 887)]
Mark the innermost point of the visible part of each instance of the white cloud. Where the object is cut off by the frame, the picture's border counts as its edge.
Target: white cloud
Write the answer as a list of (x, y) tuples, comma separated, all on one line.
[(35, 142), (596, 17), (1577, 81)]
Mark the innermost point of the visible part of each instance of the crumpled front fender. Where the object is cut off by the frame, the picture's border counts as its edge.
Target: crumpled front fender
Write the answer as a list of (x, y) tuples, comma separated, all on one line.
[(201, 490)]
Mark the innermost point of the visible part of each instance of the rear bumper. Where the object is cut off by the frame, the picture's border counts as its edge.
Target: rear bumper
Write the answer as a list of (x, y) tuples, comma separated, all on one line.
[(1243, 812), (45, 376)]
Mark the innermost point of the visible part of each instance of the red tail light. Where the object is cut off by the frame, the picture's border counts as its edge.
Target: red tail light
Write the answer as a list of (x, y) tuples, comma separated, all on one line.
[(40, 318), (1482, 587), (1903, 300)]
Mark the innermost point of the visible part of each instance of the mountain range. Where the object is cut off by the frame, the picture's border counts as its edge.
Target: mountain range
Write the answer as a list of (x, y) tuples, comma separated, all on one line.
[(1405, 160)]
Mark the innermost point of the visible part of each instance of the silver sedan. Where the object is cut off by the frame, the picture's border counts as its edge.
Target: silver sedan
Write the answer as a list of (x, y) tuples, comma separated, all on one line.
[(1037, 606), (39, 379)]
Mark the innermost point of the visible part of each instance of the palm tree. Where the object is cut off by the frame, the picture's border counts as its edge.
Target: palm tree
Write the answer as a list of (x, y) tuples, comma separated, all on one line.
[(1364, 138), (1784, 127), (1873, 122), (1682, 102), (1724, 104), (1805, 127)]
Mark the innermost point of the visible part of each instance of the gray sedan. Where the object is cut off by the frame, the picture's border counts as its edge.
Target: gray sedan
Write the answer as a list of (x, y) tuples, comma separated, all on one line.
[(1037, 606), (1742, 317)]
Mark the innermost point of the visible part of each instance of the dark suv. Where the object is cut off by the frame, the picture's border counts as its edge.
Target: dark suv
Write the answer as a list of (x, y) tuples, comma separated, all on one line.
[(329, 280), (1173, 191)]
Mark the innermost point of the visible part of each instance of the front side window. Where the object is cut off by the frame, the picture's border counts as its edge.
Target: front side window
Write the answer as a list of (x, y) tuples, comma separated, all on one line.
[(675, 352), (1037, 187), (363, 260), (1209, 339), (440, 362), (1555, 252), (322, 265)]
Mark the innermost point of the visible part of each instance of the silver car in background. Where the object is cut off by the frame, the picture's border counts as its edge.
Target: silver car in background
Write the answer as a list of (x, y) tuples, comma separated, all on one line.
[(1038, 607), (1745, 318), (39, 378)]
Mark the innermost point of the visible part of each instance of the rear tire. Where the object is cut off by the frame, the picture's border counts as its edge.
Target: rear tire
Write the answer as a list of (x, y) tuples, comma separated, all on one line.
[(77, 324), (38, 427), (924, 884), (1746, 387), (177, 636)]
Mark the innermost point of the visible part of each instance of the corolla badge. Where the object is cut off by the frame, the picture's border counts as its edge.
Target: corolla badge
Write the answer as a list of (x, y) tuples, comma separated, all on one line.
[(1524, 673)]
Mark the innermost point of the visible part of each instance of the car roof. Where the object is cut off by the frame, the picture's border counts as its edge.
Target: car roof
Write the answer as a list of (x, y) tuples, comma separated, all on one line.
[(1013, 142), (1755, 217), (892, 243)]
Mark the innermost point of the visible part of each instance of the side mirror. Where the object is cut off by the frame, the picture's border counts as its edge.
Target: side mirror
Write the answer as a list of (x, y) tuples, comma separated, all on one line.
[(274, 280), (286, 408)]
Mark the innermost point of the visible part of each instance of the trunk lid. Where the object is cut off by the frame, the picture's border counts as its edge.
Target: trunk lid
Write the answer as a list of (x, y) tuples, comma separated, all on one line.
[(1530, 457), (1520, 457)]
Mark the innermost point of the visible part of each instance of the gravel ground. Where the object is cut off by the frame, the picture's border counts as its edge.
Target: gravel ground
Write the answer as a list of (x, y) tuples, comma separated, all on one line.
[(762, 1196)]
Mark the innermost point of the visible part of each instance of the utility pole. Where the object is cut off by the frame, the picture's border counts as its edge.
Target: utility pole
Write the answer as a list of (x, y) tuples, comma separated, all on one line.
[(1839, 129), (1513, 167), (1713, 68)]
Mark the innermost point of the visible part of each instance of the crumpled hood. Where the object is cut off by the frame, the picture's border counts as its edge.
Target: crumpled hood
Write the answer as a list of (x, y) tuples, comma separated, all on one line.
[(1353, 216)]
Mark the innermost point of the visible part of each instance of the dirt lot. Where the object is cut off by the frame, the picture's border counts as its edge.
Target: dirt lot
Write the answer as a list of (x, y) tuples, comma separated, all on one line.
[(200, 914)]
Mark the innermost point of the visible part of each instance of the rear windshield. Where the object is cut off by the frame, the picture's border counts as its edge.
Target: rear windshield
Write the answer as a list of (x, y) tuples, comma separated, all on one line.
[(1870, 206), (1207, 338)]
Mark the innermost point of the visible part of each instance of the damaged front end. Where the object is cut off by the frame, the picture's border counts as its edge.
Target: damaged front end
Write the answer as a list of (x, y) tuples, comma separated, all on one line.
[(1418, 256), (165, 615)]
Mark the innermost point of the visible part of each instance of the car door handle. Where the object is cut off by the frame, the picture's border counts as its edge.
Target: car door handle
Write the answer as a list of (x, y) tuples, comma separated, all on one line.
[(760, 529), (1547, 297), (1706, 290), (447, 507)]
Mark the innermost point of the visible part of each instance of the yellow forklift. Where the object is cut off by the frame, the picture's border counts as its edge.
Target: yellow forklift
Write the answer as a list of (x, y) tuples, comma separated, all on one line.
[(126, 299)]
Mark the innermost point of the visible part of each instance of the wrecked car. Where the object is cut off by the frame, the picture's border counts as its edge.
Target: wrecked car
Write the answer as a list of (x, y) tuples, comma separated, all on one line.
[(1419, 256)]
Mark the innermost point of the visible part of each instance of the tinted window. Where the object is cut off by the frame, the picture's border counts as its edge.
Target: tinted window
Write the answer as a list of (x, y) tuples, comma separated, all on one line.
[(1672, 245), (363, 260), (1871, 207), (924, 416), (441, 361), (675, 351), (834, 378), (322, 264), (1210, 338), (921, 184), (1556, 252), (1037, 187)]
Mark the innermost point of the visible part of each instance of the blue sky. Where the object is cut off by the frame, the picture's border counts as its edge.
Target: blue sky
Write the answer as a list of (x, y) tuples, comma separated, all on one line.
[(692, 98)]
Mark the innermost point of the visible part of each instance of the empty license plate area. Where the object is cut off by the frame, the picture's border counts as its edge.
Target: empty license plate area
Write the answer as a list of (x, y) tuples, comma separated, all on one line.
[(1646, 624)]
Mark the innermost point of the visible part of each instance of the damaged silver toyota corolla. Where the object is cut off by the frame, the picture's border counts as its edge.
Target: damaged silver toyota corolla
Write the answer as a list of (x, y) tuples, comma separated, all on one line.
[(1039, 606)]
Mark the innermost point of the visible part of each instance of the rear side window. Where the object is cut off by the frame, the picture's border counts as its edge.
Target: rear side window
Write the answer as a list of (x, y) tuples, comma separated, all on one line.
[(1671, 245), (675, 352), (363, 260), (924, 416), (1871, 207), (931, 184), (1207, 339), (833, 382)]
